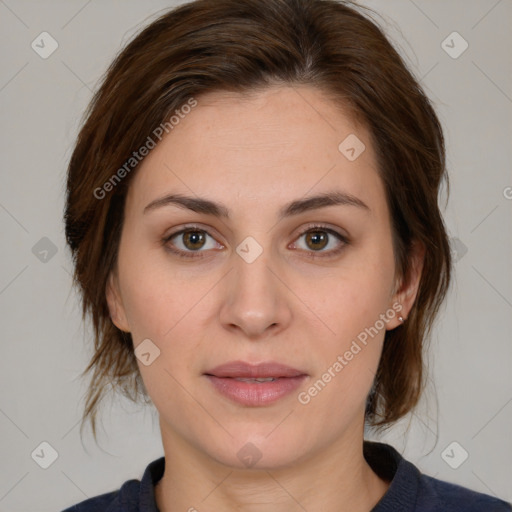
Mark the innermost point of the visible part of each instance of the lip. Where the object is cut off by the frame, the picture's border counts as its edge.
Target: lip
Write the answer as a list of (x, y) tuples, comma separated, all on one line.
[(250, 393), (252, 371)]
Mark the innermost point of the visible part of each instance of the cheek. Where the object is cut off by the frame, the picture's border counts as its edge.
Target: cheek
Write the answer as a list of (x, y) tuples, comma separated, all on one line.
[(352, 301), (171, 308), (161, 307), (154, 296), (346, 359), (354, 304)]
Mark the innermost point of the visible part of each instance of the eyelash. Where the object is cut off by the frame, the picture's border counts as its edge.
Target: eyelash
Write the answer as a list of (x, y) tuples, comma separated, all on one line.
[(311, 254)]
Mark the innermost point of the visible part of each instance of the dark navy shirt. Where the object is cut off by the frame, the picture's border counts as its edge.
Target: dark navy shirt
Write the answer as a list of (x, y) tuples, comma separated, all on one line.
[(409, 490)]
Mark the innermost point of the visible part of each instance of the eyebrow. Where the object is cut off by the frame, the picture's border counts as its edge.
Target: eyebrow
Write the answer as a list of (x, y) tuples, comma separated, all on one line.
[(206, 206)]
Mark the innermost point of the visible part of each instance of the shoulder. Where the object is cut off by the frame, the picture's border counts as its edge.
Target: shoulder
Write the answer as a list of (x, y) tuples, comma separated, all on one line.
[(434, 495), (410, 490), (133, 496), (124, 499)]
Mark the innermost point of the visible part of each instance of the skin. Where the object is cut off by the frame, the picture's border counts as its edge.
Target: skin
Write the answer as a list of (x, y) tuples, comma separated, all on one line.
[(255, 153)]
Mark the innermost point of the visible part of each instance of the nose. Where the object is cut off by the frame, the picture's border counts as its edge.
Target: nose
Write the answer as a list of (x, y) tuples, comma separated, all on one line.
[(255, 300)]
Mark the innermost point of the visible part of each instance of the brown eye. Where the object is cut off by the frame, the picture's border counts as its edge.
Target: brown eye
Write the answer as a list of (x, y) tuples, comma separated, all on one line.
[(320, 241), (191, 242), (317, 240), (193, 239)]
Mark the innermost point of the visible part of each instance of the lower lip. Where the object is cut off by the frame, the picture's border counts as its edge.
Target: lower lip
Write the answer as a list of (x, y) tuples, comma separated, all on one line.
[(256, 393)]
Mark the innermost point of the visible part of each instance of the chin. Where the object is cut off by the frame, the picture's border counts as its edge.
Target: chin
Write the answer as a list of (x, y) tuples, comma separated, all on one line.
[(258, 450)]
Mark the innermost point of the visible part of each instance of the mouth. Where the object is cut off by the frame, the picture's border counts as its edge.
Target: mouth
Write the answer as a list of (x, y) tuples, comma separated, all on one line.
[(255, 385)]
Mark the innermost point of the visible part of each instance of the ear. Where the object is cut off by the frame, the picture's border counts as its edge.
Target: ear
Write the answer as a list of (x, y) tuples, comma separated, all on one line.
[(115, 304), (407, 289)]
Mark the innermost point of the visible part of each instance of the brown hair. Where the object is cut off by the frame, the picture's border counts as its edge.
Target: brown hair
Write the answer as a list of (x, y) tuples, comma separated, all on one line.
[(242, 46)]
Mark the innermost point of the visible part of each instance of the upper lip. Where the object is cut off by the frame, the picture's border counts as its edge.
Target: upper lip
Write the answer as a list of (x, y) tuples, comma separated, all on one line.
[(245, 370)]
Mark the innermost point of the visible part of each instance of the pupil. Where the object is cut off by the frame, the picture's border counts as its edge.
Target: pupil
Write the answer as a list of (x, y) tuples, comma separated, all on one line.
[(317, 236), (194, 239)]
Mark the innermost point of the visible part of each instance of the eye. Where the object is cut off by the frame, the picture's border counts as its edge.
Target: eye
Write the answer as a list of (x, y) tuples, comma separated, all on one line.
[(321, 239), (187, 243), (193, 240)]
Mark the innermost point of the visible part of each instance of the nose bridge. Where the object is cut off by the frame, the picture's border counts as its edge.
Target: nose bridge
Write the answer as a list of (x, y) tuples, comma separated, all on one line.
[(253, 277), (254, 299)]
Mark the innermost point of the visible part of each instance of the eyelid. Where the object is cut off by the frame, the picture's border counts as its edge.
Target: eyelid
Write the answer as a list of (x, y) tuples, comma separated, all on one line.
[(320, 226), (193, 227)]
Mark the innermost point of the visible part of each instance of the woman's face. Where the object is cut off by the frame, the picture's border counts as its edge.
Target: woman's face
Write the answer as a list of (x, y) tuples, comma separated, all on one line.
[(267, 276)]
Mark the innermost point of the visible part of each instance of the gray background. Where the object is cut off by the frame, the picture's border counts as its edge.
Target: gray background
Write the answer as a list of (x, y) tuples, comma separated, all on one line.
[(44, 347)]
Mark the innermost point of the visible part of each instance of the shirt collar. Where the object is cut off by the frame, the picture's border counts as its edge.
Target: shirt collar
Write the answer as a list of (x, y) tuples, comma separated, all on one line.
[(153, 473), (389, 464)]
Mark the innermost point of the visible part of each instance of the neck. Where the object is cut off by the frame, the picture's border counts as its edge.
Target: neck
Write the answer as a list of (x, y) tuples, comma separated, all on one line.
[(338, 479)]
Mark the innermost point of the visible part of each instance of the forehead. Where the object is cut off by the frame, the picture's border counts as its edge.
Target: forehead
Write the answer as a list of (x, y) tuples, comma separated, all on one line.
[(276, 143)]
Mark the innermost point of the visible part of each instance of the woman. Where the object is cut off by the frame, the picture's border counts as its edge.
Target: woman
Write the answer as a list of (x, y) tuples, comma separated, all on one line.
[(252, 211)]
